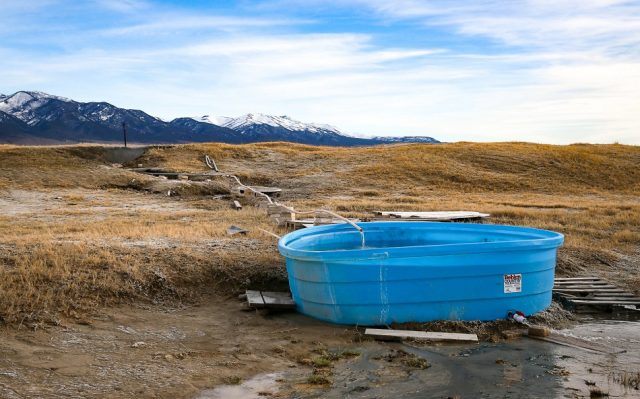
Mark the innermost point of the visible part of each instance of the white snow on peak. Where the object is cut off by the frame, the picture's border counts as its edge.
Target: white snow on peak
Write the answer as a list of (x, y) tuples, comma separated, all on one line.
[(22, 104), (214, 120), (275, 121)]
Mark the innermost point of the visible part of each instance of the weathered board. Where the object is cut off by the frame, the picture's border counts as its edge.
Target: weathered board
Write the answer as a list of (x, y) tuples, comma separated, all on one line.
[(606, 301), (578, 343), (270, 300), (270, 191), (571, 279), (254, 298), (315, 222), (603, 290), (232, 230), (585, 287), (390, 335), (432, 216)]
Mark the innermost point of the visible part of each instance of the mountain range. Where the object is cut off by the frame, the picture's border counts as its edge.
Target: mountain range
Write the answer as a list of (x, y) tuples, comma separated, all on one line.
[(31, 117)]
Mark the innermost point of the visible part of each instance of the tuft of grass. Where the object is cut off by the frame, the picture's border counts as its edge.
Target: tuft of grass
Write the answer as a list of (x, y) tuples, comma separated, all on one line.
[(416, 362), (232, 380), (319, 379), (321, 362)]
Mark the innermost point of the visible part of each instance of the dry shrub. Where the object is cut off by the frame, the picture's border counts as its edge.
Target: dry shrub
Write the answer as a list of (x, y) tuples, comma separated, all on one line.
[(39, 282)]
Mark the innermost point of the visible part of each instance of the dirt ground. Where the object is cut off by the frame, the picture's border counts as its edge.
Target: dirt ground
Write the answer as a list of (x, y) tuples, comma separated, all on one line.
[(220, 349), (154, 351)]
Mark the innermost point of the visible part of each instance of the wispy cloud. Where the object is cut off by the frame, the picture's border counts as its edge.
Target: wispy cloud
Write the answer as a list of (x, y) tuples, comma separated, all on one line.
[(168, 24), (541, 23), (492, 70)]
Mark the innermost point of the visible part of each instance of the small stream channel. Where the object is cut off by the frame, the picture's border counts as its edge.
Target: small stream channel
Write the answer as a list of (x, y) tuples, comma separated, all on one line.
[(522, 368)]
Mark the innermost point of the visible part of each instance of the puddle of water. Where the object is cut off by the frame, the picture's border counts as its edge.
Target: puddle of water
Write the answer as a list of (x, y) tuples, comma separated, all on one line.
[(520, 368), (601, 369), (260, 386)]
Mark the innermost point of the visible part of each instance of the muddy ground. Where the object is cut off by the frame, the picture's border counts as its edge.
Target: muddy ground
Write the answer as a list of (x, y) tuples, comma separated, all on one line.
[(156, 352)]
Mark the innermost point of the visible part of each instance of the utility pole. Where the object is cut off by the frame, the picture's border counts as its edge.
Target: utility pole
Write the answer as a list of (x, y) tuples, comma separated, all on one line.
[(124, 132)]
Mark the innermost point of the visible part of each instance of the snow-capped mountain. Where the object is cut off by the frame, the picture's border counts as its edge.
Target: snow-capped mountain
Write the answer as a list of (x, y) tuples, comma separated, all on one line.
[(261, 127), (407, 139), (50, 118), (247, 121), (32, 117)]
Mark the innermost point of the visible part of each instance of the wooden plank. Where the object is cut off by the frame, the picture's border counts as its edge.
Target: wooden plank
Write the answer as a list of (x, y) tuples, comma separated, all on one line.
[(585, 287), (626, 311), (577, 278), (577, 343), (607, 302), (254, 298), (270, 300), (232, 230), (422, 335), (598, 290), (612, 295), (278, 300), (609, 298), (589, 284), (267, 190), (435, 215), (302, 222)]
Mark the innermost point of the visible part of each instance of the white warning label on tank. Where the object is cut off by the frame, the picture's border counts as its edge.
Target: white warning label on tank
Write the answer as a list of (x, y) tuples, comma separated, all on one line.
[(512, 283)]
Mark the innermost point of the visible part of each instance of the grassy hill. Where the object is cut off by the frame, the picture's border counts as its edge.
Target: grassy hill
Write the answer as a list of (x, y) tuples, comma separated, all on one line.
[(77, 232)]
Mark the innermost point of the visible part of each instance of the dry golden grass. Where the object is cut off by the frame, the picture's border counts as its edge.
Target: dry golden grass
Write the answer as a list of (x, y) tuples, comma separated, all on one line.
[(76, 233)]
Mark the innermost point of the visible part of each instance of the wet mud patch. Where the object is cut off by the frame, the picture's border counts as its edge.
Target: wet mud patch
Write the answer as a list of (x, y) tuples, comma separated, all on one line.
[(520, 368), (260, 386)]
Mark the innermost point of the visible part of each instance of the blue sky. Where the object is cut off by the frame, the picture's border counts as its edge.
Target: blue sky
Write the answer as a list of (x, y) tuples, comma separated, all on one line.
[(553, 71)]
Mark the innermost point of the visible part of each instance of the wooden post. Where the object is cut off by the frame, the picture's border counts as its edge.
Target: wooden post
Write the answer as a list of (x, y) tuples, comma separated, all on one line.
[(124, 132)]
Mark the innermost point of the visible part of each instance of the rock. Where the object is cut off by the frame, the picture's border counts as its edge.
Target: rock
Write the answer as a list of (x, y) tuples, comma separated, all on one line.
[(139, 344)]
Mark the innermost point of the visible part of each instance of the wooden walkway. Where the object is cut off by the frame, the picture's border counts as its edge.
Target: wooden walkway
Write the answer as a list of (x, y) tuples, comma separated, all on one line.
[(593, 294)]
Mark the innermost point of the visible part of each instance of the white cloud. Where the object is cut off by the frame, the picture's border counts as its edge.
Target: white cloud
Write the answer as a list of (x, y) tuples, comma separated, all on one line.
[(565, 73), (168, 24)]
